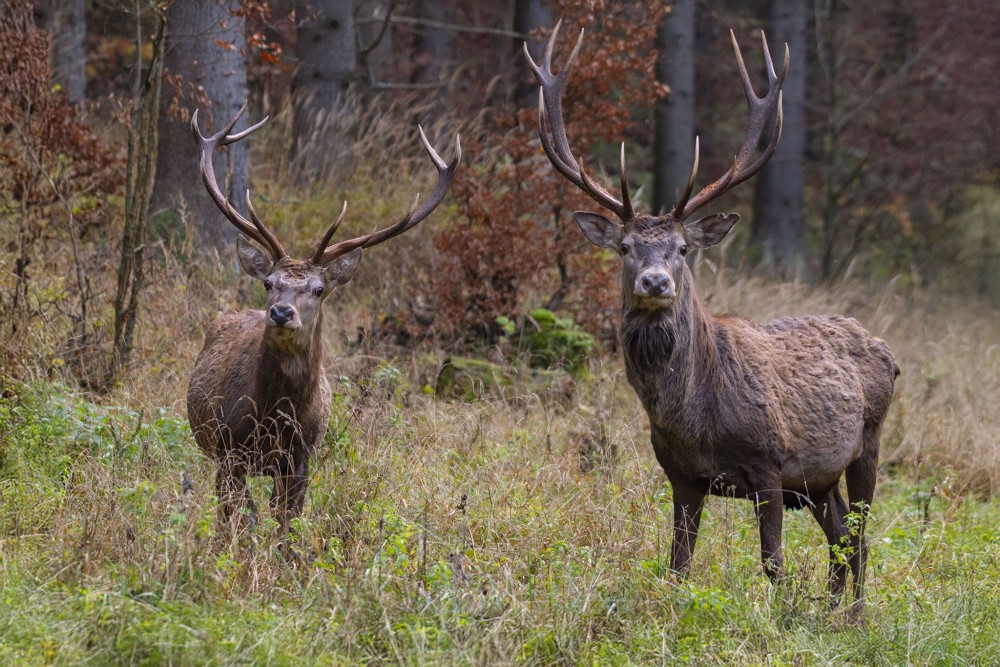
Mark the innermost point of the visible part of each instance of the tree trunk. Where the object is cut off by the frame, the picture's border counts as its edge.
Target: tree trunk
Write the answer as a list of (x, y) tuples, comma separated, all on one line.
[(528, 15), (433, 47), (327, 59), (205, 50), (673, 150), (67, 30), (778, 225)]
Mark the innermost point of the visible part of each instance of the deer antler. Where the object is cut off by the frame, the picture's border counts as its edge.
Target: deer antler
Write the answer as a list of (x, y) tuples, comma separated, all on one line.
[(760, 109), (446, 173), (552, 130), (255, 229)]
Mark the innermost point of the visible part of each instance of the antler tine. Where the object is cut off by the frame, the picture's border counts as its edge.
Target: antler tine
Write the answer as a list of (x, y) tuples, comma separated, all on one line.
[(759, 110), (682, 202), (552, 127), (767, 56), (272, 241), (446, 174), (551, 45), (626, 197), (206, 147), (317, 257)]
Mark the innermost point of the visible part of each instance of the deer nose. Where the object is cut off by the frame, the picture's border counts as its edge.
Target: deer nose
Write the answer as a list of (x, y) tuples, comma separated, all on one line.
[(654, 284), (281, 314)]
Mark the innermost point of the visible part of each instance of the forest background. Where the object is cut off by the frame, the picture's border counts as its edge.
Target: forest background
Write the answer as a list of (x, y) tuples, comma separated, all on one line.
[(882, 203)]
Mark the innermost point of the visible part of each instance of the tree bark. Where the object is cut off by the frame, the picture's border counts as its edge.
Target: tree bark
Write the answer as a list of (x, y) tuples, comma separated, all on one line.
[(327, 55), (528, 15), (205, 49), (67, 30), (433, 47), (673, 148), (778, 225)]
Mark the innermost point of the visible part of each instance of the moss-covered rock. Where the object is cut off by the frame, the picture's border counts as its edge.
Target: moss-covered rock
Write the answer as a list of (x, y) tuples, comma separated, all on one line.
[(551, 341), (469, 379)]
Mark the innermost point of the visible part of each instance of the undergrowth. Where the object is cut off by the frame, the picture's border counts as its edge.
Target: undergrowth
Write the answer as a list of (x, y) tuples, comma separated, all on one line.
[(444, 532)]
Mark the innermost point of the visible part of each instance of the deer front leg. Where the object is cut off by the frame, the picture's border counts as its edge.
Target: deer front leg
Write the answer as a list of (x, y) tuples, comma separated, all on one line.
[(769, 509), (688, 504), (289, 496), (231, 488)]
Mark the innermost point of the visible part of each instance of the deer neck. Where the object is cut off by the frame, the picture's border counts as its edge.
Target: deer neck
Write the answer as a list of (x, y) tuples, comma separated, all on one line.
[(289, 366), (671, 356)]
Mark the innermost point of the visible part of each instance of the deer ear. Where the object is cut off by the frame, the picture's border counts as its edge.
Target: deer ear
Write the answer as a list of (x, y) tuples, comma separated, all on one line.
[(341, 270), (255, 262), (706, 232), (599, 230)]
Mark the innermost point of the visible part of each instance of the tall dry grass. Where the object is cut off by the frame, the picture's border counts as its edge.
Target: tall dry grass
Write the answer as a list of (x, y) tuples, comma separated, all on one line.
[(943, 424)]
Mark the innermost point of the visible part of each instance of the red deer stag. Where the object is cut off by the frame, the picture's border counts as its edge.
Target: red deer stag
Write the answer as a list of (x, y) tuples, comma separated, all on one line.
[(775, 413), (259, 400)]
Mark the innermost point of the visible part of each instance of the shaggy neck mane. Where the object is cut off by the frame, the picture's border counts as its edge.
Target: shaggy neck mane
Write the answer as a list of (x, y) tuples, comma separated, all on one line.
[(681, 346), (287, 372)]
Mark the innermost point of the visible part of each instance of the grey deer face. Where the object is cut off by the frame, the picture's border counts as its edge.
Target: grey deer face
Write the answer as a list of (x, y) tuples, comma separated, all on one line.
[(296, 289), (653, 251)]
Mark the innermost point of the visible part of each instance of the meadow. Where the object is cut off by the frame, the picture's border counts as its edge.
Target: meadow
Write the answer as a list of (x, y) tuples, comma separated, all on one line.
[(530, 525), (523, 527)]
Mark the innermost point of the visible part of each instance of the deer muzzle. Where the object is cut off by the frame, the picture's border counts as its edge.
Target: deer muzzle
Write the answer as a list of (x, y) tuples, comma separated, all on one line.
[(282, 315), (655, 288)]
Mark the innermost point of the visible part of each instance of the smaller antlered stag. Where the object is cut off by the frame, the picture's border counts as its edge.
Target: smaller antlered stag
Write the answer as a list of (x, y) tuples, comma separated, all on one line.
[(776, 413), (259, 400)]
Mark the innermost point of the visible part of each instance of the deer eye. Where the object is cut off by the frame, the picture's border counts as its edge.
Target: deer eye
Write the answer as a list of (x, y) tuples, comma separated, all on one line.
[(683, 249), (268, 285), (624, 249), (318, 292)]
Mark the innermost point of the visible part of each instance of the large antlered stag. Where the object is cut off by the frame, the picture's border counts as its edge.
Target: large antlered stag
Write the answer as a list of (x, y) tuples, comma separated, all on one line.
[(776, 413), (259, 400)]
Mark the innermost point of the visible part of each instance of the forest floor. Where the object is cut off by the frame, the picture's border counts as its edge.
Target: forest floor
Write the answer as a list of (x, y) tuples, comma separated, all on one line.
[(515, 529)]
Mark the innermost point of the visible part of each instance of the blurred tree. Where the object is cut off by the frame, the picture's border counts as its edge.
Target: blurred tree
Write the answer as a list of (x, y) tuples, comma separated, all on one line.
[(205, 66), (778, 223), (433, 43), (327, 52), (67, 27), (529, 17), (673, 150)]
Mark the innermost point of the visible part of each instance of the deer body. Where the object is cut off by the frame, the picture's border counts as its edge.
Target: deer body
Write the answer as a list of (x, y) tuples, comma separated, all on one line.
[(776, 413), (734, 405), (258, 399), (261, 404)]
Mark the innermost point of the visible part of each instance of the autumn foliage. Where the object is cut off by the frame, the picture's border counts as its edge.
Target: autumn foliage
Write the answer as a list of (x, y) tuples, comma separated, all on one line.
[(515, 236), (55, 176)]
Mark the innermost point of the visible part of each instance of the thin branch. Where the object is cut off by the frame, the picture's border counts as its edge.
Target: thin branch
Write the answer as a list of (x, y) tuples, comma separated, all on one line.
[(455, 27), (365, 50), (81, 279)]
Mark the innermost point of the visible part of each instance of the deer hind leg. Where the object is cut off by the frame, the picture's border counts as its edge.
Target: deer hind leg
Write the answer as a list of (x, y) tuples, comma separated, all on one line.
[(830, 512), (769, 508), (861, 476), (688, 504)]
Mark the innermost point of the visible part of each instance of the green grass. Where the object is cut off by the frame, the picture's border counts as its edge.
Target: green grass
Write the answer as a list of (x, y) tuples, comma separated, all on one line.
[(450, 533)]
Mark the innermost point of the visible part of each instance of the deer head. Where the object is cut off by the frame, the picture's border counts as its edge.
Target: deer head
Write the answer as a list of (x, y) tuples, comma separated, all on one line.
[(296, 289), (653, 247)]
